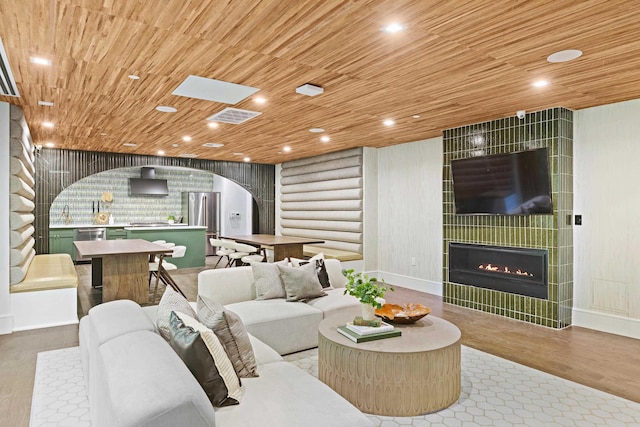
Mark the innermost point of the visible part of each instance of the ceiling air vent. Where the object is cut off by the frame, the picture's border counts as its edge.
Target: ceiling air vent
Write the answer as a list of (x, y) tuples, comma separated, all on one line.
[(234, 116), (7, 83)]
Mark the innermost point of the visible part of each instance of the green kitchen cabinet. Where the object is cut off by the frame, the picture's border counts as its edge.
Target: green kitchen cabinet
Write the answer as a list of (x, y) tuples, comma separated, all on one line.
[(61, 241), (193, 238), (116, 233)]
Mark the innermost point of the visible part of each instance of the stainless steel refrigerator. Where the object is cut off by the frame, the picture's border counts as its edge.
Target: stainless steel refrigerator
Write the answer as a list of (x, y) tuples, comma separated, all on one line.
[(203, 209)]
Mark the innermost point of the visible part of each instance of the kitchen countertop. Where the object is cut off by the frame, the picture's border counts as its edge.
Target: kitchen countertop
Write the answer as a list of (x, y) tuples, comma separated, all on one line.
[(128, 226)]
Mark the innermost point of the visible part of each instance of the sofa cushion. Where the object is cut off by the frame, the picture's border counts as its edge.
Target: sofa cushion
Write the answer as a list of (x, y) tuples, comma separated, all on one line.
[(142, 382), (285, 326), (335, 302), (267, 280), (171, 301), (301, 283), (284, 395), (232, 334), (202, 352)]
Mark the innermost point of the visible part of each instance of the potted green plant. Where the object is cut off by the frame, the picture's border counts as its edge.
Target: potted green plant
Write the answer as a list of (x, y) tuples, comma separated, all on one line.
[(369, 290), (171, 218)]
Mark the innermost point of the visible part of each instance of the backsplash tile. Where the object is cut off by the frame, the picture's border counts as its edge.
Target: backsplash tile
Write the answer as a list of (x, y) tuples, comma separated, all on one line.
[(80, 195), (552, 128)]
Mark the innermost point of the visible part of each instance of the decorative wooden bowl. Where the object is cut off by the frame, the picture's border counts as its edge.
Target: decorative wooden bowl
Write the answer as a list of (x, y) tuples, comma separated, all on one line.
[(402, 314)]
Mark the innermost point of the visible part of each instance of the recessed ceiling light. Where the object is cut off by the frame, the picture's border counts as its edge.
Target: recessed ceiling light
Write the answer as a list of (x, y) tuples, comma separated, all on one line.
[(49, 144), (134, 77), (388, 122), (186, 138), (286, 148), (175, 145), (540, 83), (166, 109), (247, 159), (160, 153), (393, 28), (212, 144), (416, 116), (325, 138), (103, 134), (213, 125), (316, 130), (564, 55), (130, 144), (238, 154), (47, 124), (40, 61), (187, 155), (259, 100), (45, 103)]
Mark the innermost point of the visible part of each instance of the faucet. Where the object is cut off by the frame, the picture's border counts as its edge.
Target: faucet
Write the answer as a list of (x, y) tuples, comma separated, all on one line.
[(66, 215)]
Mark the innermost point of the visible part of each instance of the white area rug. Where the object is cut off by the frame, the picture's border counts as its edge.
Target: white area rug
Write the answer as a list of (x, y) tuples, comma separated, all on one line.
[(495, 392)]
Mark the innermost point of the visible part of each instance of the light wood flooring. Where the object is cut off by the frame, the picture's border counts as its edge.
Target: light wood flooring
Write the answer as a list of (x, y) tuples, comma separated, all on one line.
[(603, 361)]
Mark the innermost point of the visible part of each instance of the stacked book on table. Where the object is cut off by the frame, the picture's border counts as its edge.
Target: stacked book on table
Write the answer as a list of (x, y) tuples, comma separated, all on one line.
[(362, 330)]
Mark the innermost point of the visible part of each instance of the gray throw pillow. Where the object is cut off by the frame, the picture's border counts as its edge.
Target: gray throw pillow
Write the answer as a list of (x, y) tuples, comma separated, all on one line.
[(171, 301), (266, 279), (202, 353), (229, 328), (301, 283)]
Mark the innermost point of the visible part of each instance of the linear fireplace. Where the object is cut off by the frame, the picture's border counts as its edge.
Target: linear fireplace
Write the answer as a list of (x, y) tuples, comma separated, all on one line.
[(520, 271)]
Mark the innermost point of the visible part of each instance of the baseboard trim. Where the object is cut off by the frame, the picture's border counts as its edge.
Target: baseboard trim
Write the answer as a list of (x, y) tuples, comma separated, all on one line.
[(416, 284), (6, 324), (47, 325), (604, 322)]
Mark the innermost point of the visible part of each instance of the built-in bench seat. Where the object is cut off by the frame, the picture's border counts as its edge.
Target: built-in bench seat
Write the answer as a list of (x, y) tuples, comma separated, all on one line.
[(48, 295), (310, 250)]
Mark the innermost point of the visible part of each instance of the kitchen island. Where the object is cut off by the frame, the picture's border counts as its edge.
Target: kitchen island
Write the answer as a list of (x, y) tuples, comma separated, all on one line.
[(61, 238)]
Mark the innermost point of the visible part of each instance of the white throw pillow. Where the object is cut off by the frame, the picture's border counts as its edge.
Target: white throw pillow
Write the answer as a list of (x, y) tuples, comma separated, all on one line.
[(266, 279)]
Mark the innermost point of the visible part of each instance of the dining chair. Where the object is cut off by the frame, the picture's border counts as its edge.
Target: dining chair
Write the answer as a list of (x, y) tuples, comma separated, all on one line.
[(244, 254), (223, 249), (159, 268)]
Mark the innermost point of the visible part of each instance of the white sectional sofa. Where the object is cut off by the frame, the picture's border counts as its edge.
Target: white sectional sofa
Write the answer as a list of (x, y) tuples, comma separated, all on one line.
[(285, 326), (135, 378)]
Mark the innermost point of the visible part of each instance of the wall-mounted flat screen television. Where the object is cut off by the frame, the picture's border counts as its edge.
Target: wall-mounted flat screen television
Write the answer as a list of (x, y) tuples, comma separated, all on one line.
[(503, 184)]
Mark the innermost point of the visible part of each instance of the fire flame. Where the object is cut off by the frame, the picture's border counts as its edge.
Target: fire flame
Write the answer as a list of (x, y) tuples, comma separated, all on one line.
[(500, 269)]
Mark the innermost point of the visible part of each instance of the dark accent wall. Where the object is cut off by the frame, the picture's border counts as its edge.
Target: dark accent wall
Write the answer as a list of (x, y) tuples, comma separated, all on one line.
[(56, 169), (552, 128)]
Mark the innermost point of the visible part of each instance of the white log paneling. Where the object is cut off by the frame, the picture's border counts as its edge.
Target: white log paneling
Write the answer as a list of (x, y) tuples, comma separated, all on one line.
[(21, 188), (334, 184), (326, 205), (352, 172), (330, 165), (17, 237), (17, 273), (18, 220), (354, 227), (350, 194), (322, 197), (352, 216), (20, 204), (17, 255)]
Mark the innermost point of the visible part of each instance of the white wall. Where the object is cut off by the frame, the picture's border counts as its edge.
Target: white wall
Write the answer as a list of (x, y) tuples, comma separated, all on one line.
[(370, 211), (410, 215), (233, 198), (6, 318), (607, 195)]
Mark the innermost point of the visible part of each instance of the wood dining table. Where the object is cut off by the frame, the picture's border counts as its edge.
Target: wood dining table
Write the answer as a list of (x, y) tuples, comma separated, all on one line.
[(125, 266), (283, 246)]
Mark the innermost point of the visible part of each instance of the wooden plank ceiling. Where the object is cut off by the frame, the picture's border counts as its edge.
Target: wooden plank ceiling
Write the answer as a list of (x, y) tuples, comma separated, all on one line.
[(456, 63)]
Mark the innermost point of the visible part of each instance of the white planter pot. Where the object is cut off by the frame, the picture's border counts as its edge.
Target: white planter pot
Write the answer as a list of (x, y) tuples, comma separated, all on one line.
[(368, 311)]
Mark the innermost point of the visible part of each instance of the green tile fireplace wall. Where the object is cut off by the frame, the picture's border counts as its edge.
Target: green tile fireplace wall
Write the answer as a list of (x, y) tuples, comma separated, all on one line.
[(552, 128)]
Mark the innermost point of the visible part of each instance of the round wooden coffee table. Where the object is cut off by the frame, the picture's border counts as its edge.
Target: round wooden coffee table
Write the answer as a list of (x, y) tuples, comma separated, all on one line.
[(416, 373)]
